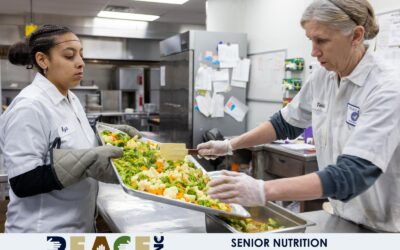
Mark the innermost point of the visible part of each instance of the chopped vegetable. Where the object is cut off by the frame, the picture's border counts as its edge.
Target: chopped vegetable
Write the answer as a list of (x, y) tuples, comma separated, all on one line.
[(142, 168), (251, 226)]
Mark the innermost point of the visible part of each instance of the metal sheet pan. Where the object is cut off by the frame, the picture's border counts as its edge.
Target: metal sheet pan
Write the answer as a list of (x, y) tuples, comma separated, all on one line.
[(236, 210), (292, 222)]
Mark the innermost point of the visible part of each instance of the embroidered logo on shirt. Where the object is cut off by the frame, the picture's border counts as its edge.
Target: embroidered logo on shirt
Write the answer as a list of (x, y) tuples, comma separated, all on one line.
[(353, 113)]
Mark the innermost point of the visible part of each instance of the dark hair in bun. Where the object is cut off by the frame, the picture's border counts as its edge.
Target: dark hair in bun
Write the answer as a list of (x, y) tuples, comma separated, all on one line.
[(18, 54), (42, 40)]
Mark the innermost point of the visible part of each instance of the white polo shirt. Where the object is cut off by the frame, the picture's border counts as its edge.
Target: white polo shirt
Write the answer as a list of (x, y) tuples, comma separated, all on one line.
[(38, 115), (360, 117)]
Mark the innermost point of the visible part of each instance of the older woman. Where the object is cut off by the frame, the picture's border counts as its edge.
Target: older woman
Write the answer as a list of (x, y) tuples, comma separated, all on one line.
[(352, 103), (50, 150)]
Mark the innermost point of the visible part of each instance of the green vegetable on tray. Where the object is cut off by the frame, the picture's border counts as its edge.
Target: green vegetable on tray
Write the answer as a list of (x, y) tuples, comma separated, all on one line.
[(251, 226), (142, 168)]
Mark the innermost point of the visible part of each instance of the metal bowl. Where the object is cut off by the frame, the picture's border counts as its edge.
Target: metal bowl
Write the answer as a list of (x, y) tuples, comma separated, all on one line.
[(292, 222)]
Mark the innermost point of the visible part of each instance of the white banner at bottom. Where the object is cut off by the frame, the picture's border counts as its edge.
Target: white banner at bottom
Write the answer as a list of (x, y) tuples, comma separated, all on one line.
[(197, 241)]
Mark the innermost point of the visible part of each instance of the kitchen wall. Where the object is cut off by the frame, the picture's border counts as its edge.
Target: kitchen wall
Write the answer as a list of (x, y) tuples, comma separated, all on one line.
[(113, 48), (381, 6), (13, 79), (270, 25), (101, 75)]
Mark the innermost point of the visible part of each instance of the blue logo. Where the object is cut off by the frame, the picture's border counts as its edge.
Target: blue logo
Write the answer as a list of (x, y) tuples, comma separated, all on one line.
[(355, 115), (64, 129), (55, 243)]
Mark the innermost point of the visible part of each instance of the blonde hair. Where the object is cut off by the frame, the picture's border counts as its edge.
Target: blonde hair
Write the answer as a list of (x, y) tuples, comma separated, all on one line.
[(343, 15)]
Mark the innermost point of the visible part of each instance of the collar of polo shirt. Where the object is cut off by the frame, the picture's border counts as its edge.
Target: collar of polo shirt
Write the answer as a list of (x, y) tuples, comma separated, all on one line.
[(49, 88), (360, 73)]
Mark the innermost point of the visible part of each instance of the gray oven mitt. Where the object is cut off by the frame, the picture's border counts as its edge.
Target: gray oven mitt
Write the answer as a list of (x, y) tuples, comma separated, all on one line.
[(73, 165), (131, 131)]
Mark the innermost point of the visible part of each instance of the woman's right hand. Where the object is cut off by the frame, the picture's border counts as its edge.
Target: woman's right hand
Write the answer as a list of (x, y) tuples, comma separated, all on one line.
[(239, 188), (213, 149)]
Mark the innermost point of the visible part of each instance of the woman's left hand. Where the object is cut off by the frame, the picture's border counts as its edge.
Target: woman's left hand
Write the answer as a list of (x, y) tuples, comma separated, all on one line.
[(239, 188)]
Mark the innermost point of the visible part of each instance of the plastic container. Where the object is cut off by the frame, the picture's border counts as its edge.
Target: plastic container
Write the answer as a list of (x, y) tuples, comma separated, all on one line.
[(149, 107), (308, 135)]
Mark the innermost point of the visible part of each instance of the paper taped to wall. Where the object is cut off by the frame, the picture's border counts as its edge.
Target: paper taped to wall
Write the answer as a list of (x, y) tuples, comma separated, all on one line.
[(217, 105), (236, 109), (204, 78)]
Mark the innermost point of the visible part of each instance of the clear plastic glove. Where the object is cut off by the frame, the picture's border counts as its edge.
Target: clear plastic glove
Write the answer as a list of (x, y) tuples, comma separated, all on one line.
[(213, 149), (239, 188)]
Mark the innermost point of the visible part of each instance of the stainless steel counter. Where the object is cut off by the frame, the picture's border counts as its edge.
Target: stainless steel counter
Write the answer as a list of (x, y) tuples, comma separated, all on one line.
[(117, 113), (304, 155), (127, 214), (139, 120), (327, 223)]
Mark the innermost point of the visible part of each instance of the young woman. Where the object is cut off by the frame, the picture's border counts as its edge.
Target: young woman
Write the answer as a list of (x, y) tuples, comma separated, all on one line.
[(352, 103), (50, 151)]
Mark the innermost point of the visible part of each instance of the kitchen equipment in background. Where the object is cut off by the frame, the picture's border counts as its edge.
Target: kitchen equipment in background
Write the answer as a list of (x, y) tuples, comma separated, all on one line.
[(92, 99), (128, 100), (181, 56), (93, 103), (130, 80), (153, 92), (111, 100), (149, 107), (129, 110), (87, 83)]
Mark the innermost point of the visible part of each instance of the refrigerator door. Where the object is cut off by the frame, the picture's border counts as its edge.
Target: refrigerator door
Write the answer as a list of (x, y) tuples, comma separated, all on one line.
[(176, 98)]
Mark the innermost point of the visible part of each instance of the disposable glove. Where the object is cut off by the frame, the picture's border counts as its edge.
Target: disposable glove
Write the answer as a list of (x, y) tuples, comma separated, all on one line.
[(239, 188), (213, 149), (73, 165), (131, 131)]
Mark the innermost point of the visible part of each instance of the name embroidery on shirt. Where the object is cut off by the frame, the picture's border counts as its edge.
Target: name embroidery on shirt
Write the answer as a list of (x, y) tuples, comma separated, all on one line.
[(64, 129), (319, 106), (353, 113)]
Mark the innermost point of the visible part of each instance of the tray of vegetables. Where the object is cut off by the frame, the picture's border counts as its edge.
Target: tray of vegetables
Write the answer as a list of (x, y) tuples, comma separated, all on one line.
[(142, 172)]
